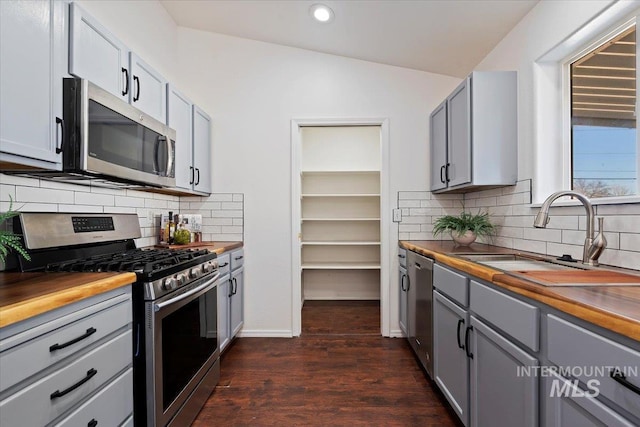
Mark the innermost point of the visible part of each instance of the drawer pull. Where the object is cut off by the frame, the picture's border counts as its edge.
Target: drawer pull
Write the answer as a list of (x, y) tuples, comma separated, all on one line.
[(238, 258), (87, 334), (224, 265), (401, 256), (92, 423), (619, 377), (460, 323), (90, 374)]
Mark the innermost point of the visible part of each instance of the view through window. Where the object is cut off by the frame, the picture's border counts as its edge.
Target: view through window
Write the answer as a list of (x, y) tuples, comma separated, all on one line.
[(604, 147)]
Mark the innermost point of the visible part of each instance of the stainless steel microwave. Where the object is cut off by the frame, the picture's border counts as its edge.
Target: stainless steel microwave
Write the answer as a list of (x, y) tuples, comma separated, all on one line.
[(106, 138)]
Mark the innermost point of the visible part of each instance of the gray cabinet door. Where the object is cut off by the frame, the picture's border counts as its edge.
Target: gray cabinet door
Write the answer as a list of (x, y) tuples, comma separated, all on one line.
[(501, 395), (202, 150), (451, 365), (438, 142), (148, 89), (567, 405), (237, 301), (31, 68), (97, 55), (223, 312), (179, 118), (403, 286), (458, 170)]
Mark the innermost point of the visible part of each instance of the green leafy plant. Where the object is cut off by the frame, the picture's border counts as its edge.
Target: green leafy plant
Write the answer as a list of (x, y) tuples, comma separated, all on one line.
[(478, 224), (9, 240)]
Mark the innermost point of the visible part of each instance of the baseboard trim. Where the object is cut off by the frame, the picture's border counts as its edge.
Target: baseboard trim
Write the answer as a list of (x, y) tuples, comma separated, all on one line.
[(259, 333)]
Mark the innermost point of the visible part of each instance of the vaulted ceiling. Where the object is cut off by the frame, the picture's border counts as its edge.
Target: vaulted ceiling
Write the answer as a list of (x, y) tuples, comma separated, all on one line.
[(441, 36)]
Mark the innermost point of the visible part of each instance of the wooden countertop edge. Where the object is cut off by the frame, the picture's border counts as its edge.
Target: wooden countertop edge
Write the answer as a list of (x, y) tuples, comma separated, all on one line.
[(32, 307), (606, 319)]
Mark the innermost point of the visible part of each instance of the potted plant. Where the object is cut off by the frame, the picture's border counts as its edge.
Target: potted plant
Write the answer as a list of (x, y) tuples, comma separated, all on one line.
[(464, 228), (8, 240)]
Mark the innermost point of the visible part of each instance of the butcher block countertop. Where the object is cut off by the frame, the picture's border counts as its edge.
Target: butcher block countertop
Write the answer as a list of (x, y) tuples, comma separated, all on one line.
[(24, 295), (616, 308)]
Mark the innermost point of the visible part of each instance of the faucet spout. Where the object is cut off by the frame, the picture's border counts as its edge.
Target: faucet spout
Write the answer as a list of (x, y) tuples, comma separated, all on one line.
[(589, 255)]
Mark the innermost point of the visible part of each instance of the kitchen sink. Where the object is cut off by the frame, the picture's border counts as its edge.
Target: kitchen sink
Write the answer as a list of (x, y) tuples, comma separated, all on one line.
[(515, 262)]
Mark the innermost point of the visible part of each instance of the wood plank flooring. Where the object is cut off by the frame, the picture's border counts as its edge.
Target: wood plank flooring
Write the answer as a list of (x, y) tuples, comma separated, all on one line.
[(340, 372)]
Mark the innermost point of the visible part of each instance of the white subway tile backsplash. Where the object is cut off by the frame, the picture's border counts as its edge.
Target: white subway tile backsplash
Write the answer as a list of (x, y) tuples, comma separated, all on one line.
[(7, 192), (221, 198), (128, 201), (43, 195), (231, 205), (94, 199), (156, 204), (238, 198), (80, 208), (513, 215)]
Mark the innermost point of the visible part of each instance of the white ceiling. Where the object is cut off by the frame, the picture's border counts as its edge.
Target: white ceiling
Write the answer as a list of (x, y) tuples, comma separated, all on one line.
[(441, 36)]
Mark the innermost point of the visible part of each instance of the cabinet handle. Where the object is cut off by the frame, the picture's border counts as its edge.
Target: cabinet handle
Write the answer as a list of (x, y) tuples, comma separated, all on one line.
[(87, 334), (197, 176), (136, 80), (442, 174), (401, 256), (467, 337), (446, 172), (620, 378), (60, 122), (238, 257), (235, 286), (126, 81), (408, 282), (230, 288), (418, 266), (402, 283), (223, 265), (90, 374), (192, 173), (92, 423), (460, 323)]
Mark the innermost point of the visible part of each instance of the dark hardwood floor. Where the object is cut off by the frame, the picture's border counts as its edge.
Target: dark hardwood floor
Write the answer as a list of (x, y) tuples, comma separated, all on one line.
[(340, 372)]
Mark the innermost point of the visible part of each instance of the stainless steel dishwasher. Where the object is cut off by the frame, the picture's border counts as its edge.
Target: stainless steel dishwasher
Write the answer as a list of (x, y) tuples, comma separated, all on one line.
[(420, 309)]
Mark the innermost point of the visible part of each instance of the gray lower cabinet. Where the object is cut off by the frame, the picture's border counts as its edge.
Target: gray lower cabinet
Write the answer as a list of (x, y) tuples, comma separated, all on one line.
[(500, 396), (71, 366), (451, 364), (568, 405), (230, 297), (403, 297)]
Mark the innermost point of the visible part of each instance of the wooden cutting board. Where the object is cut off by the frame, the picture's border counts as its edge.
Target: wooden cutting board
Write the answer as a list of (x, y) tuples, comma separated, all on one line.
[(583, 276)]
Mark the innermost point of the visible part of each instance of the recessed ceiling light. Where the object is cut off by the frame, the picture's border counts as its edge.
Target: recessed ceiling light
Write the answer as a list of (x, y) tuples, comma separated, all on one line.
[(321, 13)]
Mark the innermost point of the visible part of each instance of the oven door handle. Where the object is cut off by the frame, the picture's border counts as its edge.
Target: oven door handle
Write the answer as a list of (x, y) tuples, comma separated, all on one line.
[(209, 283)]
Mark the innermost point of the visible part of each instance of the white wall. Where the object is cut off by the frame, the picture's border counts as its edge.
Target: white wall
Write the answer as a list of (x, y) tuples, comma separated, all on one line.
[(253, 90)]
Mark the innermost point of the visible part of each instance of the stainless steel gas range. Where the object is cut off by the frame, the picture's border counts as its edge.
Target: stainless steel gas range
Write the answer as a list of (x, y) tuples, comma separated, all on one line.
[(176, 350)]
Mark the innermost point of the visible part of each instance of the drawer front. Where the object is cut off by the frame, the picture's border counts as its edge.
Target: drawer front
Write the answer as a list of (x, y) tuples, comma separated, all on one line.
[(22, 361), (110, 407), (515, 317), (237, 259), (402, 257), (33, 405), (451, 284), (591, 357), (224, 264)]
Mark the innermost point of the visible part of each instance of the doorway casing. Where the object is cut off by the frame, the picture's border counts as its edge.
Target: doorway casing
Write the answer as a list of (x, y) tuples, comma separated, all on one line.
[(385, 216)]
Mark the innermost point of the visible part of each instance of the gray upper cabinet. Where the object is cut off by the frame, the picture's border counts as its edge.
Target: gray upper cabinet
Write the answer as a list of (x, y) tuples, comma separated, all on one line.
[(478, 147), (32, 64), (180, 119), (201, 150), (97, 55), (148, 91), (438, 133)]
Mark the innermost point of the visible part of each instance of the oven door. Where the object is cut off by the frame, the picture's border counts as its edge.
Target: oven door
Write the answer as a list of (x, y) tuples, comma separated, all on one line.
[(183, 345)]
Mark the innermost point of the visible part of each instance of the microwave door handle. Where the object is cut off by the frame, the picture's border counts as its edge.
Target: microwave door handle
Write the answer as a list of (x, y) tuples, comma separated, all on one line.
[(170, 155)]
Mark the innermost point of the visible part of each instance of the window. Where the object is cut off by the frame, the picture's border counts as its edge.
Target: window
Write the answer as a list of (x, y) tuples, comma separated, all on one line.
[(604, 147)]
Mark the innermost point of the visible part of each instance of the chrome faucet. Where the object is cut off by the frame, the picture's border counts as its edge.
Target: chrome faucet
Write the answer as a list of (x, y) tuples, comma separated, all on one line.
[(593, 247)]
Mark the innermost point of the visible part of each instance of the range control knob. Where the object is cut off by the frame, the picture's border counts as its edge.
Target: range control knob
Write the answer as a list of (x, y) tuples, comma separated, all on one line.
[(194, 273), (169, 283), (181, 279), (207, 267)]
